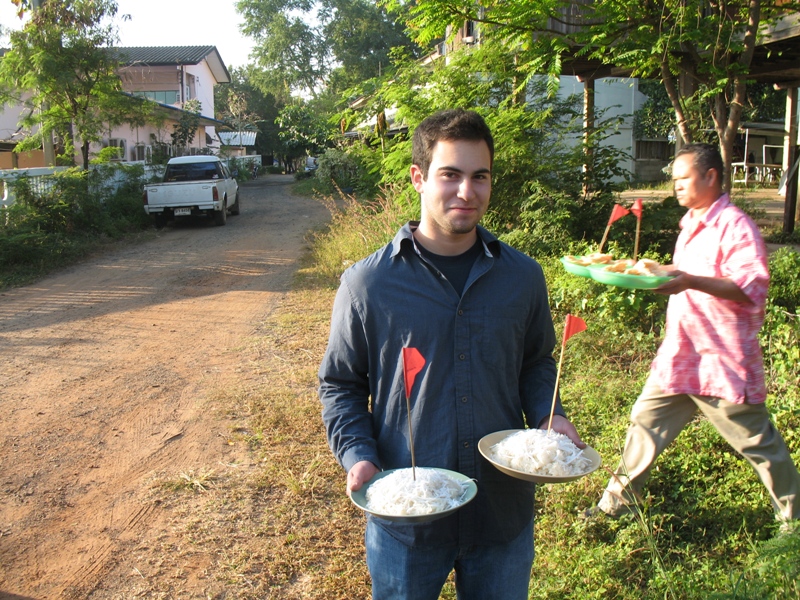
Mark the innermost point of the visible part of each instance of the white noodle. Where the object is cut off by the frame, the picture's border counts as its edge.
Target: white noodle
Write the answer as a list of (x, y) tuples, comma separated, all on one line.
[(538, 452), (398, 494)]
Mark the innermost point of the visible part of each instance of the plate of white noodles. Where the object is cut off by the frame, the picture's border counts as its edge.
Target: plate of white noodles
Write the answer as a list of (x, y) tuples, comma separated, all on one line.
[(415, 495), (538, 455)]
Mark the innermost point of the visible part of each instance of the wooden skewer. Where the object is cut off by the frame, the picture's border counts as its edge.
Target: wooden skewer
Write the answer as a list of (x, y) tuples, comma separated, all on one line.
[(411, 440)]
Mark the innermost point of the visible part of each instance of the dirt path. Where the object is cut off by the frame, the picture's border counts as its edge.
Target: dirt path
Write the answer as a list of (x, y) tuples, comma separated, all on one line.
[(105, 376)]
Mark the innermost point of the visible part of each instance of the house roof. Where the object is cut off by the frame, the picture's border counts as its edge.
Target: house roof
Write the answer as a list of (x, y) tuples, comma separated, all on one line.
[(174, 56), (237, 138)]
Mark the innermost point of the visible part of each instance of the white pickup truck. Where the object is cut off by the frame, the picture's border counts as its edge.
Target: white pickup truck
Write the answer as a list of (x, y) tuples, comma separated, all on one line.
[(192, 186)]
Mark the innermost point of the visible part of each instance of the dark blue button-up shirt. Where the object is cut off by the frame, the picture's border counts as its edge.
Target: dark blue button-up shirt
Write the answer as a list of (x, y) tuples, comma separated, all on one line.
[(489, 366)]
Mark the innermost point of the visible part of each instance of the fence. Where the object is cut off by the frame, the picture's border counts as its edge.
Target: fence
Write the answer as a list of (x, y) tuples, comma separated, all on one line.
[(41, 178)]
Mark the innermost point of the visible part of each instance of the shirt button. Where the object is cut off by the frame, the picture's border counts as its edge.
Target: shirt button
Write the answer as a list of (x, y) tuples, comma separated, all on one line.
[(462, 356), (460, 312), (466, 444), (464, 399)]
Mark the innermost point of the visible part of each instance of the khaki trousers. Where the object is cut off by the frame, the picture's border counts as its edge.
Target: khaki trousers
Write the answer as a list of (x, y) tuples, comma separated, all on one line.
[(657, 419)]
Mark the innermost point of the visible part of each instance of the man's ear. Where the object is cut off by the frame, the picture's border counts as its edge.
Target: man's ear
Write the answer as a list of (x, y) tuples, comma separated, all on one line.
[(714, 177), (417, 177)]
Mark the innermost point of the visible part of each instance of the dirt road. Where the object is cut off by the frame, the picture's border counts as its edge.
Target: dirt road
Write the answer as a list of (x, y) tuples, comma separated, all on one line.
[(106, 377)]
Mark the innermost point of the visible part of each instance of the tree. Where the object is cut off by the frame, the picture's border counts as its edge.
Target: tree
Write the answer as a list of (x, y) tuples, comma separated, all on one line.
[(305, 45), (707, 44), (60, 67), (304, 131), (186, 128), (244, 105)]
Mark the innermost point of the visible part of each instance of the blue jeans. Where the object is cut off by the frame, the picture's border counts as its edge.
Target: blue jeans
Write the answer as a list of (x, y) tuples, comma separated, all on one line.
[(401, 572)]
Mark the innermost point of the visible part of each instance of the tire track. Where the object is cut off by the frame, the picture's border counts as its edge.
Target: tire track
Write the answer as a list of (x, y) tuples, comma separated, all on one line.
[(105, 374)]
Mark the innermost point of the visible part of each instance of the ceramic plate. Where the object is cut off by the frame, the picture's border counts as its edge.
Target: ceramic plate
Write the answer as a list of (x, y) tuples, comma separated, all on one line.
[(485, 447), (359, 498)]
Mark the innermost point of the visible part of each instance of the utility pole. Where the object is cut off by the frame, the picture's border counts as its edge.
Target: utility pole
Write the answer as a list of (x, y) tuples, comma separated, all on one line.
[(47, 134)]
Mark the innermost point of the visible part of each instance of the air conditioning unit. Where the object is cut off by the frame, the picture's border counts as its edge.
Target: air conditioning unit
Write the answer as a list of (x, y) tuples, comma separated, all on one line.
[(119, 143)]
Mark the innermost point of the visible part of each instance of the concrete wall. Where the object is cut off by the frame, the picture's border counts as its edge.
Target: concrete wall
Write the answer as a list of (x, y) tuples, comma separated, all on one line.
[(619, 98)]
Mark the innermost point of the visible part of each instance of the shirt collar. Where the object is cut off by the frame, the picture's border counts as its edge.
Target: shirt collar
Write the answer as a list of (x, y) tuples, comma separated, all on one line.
[(711, 215), (405, 237)]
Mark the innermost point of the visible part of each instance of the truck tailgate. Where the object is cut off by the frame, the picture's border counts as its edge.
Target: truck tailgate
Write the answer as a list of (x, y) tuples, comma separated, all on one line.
[(183, 193)]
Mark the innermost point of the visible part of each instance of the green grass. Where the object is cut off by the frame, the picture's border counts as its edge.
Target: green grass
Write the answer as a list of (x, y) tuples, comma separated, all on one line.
[(706, 518)]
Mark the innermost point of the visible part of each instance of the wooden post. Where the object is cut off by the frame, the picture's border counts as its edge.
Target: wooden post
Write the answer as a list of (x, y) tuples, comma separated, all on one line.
[(790, 212)]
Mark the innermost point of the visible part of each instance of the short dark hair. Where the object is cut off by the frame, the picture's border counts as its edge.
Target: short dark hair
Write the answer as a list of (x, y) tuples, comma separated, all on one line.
[(705, 157), (448, 125)]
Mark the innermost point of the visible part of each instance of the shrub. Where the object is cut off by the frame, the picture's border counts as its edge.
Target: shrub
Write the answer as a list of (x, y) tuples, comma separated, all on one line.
[(780, 335), (339, 169), (57, 222)]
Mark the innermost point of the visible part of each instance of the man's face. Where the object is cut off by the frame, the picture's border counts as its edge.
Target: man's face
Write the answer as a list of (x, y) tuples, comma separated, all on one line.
[(455, 193), (694, 189)]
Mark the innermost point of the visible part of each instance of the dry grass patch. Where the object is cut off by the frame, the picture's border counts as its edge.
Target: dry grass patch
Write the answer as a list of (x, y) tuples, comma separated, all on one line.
[(277, 524)]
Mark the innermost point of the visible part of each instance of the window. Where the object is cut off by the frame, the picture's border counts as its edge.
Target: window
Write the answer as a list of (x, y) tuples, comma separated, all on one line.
[(652, 150), (193, 172), (162, 96), (142, 152)]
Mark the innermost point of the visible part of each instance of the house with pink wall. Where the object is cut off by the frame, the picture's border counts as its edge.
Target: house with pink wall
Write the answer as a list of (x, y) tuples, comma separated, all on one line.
[(168, 76)]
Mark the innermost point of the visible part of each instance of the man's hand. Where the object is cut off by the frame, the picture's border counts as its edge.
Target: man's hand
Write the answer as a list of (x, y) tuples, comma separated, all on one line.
[(360, 474), (721, 287), (680, 282), (563, 425)]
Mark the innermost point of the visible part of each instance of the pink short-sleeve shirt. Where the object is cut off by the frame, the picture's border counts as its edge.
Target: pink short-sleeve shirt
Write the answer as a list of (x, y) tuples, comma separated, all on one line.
[(710, 345)]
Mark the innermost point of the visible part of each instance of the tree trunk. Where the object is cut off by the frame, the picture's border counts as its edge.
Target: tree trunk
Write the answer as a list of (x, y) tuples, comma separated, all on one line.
[(675, 97), (85, 155)]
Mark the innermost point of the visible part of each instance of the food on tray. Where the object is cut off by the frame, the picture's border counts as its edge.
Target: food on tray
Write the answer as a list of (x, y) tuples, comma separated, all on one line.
[(398, 494), (590, 259), (619, 266), (540, 452), (648, 268)]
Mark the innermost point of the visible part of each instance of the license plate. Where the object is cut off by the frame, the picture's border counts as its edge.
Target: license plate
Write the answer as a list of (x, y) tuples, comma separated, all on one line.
[(182, 212)]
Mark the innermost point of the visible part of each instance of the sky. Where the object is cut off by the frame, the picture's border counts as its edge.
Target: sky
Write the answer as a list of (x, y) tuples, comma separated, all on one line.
[(172, 23)]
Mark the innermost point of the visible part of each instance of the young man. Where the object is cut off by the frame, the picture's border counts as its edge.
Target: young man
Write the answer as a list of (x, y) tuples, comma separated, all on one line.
[(710, 358), (478, 313)]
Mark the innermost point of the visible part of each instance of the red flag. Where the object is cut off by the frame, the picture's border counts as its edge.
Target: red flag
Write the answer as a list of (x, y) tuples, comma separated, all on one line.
[(572, 326), (637, 208), (618, 213), (413, 362)]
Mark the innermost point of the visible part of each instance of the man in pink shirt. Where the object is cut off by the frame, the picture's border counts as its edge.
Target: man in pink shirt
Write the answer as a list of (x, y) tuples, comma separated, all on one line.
[(710, 358)]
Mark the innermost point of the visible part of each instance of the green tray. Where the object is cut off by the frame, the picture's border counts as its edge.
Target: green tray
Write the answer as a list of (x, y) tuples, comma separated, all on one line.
[(624, 280), (571, 267)]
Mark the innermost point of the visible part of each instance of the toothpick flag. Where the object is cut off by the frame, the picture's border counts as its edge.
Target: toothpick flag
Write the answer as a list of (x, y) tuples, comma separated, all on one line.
[(637, 210), (616, 214), (572, 325), (413, 361)]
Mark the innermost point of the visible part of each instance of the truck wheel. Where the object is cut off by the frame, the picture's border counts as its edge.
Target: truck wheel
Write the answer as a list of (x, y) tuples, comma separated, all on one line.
[(221, 216), (235, 207), (160, 220)]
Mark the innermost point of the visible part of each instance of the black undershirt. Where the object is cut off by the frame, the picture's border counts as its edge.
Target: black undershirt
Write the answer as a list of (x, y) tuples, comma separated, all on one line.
[(456, 269)]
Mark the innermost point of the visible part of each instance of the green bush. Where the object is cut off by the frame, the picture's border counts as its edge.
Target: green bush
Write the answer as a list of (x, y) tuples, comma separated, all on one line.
[(780, 335), (339, 169), (52, 225)]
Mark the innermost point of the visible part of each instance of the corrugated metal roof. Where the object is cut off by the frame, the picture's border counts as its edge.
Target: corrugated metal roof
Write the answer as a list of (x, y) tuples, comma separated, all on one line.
[(158, 56), (163, 55), (237, 138)]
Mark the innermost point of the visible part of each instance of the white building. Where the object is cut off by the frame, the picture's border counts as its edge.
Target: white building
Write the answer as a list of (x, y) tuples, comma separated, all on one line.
[(169, 76)]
